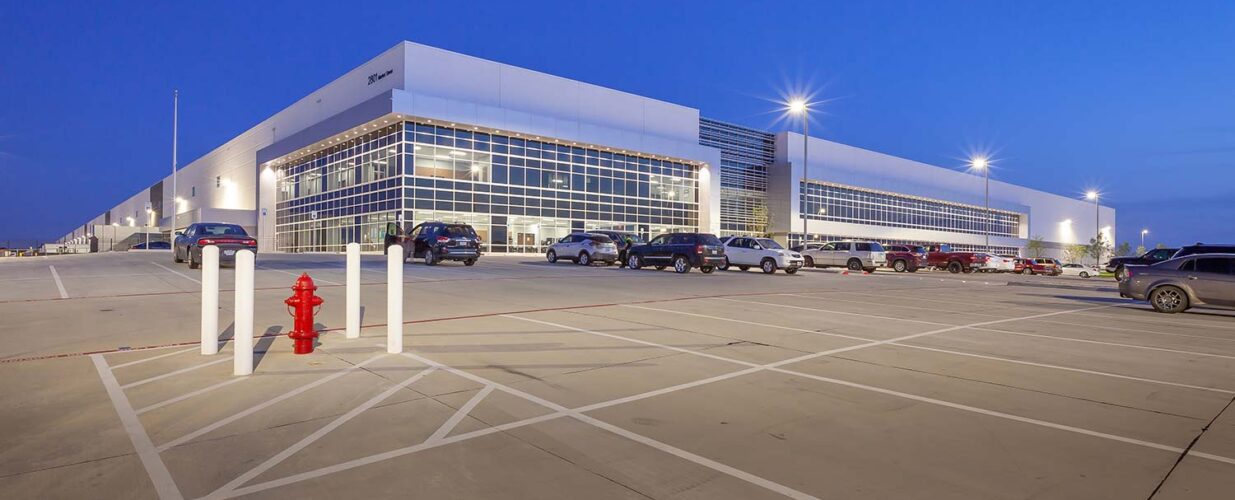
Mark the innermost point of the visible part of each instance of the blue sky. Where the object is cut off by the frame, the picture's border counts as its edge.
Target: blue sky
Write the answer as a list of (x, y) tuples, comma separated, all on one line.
[(1133, 98)]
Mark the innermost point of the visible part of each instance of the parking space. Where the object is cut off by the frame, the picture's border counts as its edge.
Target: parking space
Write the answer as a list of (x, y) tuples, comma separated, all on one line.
[(524, 379)]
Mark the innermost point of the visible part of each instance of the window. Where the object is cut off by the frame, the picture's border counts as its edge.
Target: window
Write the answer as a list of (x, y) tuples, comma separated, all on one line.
[(1214, 265), (1162, 254), (660, 240)]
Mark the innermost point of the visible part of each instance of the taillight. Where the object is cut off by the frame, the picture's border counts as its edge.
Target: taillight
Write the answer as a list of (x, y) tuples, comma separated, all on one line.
[(699, 249), (250, 242), (442, 239), (1127, 272), (206, 241)]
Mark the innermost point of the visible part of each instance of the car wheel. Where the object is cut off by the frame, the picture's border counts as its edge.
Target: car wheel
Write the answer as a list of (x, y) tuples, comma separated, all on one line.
[(1121, 273), (681, 265), (854, 265), (808, 262), (176, 256), (724, 266), (584, 259), (1084, 274), (634, 262), (430, 258), (193, 263), (1168, 299), (899, 266), (707, 269), (913, 269), (869, 269), (955, 267), (743, 268), (469, 262), (768, 266), (551, 256), (791, 270)]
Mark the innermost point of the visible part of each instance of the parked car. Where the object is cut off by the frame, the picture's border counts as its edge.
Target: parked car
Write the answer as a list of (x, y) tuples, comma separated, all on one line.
[(852, 255), (681, 250), (1019, 264), (153, 245), (999, 264), (584, 249), (1116, 265), (624, 241), (942, 257), (1080, 270), (1177, 284), (230, 238), (435, 242), (1049, 267), (743, 253), (1202, 248), (903, 258)]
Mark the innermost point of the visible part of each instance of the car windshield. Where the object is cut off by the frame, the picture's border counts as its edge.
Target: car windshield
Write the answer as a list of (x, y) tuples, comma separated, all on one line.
[(457, 231), (769, 244), (875, 247), (221, 230), (708, 239), (917, 249)]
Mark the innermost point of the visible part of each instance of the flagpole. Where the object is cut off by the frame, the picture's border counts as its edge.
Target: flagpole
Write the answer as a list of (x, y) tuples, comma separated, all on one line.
[(175, 134)]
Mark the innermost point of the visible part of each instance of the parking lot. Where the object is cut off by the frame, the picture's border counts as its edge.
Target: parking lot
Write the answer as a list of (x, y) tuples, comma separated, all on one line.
[(522, 379)]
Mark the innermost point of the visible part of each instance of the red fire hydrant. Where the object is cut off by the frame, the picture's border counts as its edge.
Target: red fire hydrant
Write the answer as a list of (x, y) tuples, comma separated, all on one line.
[(304, 301)]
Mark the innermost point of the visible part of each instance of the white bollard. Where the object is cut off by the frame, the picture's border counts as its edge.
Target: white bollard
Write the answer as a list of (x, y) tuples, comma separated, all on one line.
[(242, 339), (353, 290), (394, 299), (210, 300)]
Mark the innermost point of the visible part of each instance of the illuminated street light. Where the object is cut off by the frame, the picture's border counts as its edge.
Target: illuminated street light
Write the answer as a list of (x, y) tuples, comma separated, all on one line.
[(1143, 233), (799, 107), (1093, 196), (981, 163)]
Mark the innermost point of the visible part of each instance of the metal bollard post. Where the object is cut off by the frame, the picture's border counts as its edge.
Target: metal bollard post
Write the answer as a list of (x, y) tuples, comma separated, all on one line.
[(210, 300), (394, 299), (353, 290), (242, 339)]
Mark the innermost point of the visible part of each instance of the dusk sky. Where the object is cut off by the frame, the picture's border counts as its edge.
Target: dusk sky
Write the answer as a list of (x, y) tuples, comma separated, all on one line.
[(1133, 98)]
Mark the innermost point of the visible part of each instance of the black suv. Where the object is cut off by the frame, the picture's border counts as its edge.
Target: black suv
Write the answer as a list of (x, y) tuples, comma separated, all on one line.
[(1203, 248), (435, 242), (681, 250), (624, 241), (1116, 265)]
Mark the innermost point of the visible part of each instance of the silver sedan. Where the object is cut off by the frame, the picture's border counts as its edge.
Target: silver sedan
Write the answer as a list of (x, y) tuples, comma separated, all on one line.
[(1175, 285)]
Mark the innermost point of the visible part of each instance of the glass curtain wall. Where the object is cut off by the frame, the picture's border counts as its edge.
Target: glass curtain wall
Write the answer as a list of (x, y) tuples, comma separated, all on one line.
[(859, 206), (519, 193)]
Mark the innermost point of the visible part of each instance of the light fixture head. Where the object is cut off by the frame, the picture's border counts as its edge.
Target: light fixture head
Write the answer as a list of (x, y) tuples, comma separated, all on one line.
[(1091, 195), (979, 163), (797, 106)]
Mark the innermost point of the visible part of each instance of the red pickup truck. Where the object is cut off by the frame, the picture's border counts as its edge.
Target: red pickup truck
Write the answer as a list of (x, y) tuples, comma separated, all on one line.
[(905, 258), (942, 257)]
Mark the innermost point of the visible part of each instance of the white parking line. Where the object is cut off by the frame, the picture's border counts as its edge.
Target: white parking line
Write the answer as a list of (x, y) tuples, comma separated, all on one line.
[(164, 484), (1099, 342), (193, 394), (316, 435), (289, 273), (776, 368), (177, 273), (59, 284), (269, 402), (131, 385), (454, 420), (152, 358), (753, 323)]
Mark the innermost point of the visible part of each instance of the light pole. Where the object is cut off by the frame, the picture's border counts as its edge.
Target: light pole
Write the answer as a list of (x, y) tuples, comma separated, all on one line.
[(799, 107), (1097, 225), (980, 163), (1143, 233)]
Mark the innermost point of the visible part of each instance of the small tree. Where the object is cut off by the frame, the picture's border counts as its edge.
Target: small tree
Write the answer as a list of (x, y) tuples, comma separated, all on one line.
[(1098, 246), (1124, 249), (1160, 245), (1036, 247), (1140, 250), (1075, 253)]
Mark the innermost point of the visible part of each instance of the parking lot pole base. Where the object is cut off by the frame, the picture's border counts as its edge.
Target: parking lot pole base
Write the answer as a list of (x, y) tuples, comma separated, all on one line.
[(210, 300), (242, 337), (353, 290), (394, 299)]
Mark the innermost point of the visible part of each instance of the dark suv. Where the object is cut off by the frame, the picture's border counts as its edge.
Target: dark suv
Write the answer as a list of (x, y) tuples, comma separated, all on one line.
[(436, 241), (1203, 248), (623, 240), (681, 250), (1116, 265)]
